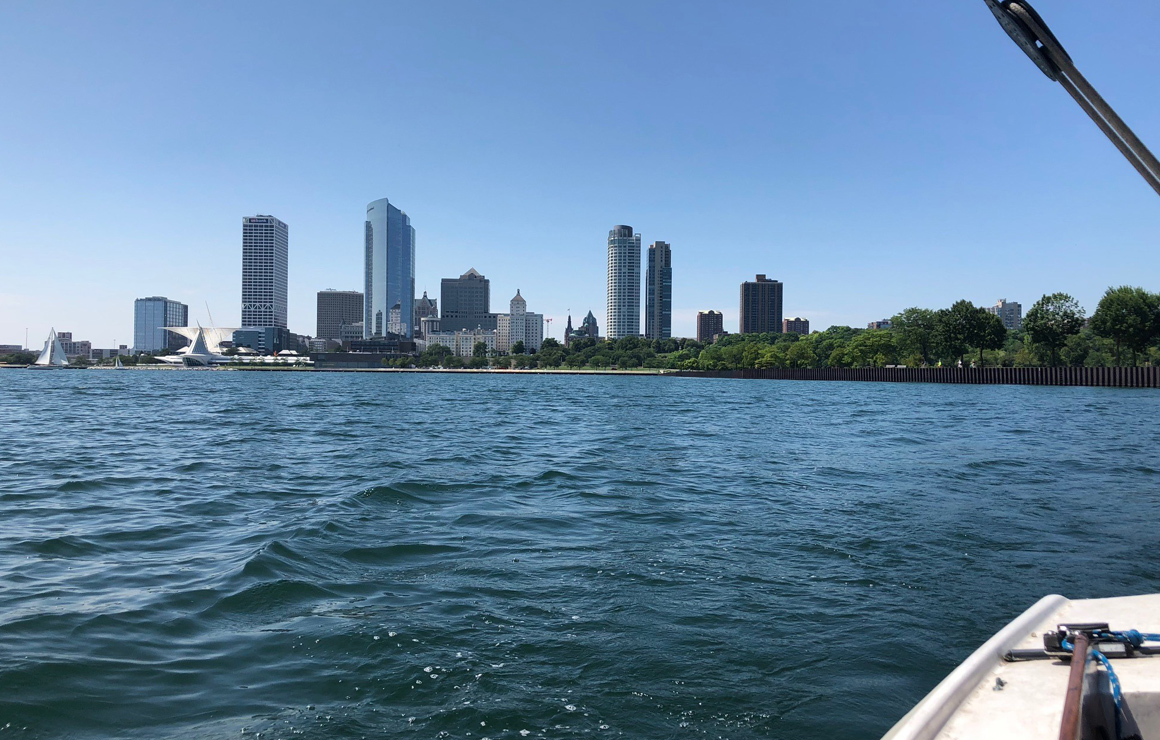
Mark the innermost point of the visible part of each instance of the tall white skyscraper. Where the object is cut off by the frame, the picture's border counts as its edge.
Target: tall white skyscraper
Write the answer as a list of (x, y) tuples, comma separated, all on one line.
[(389, 264), (623, 283), (265, 270)]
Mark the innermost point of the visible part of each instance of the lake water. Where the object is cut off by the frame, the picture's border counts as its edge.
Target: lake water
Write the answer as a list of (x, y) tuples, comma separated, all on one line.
[(220, 554)]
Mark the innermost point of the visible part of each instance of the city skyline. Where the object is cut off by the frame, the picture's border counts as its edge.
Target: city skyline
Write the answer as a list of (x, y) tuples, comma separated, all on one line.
[(860, 222)]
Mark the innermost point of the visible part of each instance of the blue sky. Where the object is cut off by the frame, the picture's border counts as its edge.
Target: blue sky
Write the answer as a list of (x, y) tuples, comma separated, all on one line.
[(870, 155)]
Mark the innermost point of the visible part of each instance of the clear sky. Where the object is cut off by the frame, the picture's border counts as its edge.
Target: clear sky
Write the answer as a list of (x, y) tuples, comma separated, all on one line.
[(870, 155)]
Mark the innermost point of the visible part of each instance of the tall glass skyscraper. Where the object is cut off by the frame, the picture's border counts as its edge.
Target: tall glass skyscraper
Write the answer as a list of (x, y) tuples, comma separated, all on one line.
[(150, 317), (265, 269), (658, 282), (623, 283), (389, 268)]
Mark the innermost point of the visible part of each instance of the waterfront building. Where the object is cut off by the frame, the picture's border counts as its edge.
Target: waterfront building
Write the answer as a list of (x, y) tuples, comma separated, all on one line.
[(389, 264), (7, 349), (74, 348), (424, 308), (1009, 312), (205, 346), (265, 340), (883, 324), (347, 333), (150, 317), (658, 314), (709, 325), (760, 306), (466, 302), (335, 308), (796, 325), (265, 271), (519, 326), (100, 354), (462, 341), (623, 283)]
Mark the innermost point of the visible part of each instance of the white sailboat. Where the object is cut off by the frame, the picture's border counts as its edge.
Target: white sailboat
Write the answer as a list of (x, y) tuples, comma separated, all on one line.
[(52, 356), (117, 364)]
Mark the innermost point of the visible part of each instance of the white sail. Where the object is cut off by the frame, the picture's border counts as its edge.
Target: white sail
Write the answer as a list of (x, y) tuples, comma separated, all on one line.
[(118, 364), (53, 354)]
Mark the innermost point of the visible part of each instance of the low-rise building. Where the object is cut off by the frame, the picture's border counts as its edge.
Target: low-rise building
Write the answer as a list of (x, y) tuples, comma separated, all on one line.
[(265, 340), (462, 343), (796, 325), (883, 324)]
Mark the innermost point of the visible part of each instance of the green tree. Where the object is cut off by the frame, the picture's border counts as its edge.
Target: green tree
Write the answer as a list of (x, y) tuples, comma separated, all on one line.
[(956, 328), (989, 333), (479, 350), (1127, 316), (872, 348), (915, 330), (1051, 321), (801, 354), (518, 348)]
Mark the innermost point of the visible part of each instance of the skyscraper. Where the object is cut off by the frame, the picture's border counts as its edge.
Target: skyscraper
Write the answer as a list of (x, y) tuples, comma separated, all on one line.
[(465, 302), (335, 308), (150, 316), (658, 321), (265, 268), (519, 325), (709, 325), (389, 269), (760, 306), (623, 283)]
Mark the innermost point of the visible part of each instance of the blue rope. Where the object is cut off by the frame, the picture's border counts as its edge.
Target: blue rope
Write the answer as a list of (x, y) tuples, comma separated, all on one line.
[(1135, 639)]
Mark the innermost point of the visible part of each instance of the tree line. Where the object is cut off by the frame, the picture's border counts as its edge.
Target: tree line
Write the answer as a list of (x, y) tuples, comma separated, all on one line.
[(1123, 330)]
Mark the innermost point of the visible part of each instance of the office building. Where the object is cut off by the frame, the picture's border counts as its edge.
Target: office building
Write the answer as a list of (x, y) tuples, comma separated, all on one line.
[(72, 349), (335, 308), (796, 325), (658, 286), (519, 326), (1009, 312), (425, 308), (882, 324), (623, 283), (710, 324), (760, 306), (389, 264), (150, 317), (265, 270), (265, 340), (348, 333), (465, 302)]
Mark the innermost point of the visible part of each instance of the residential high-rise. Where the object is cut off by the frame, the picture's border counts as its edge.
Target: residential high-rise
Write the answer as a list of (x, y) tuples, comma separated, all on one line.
[(389, 268), (265, 270), (760, 306), (709, 325), (796, 325), (623, 283), (466, 302), (1009, 312), (658, 315), (335, 308), (150, 317)]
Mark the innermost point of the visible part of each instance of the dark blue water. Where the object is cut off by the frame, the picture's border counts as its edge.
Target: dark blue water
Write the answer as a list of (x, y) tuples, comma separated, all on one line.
[(217, 554)]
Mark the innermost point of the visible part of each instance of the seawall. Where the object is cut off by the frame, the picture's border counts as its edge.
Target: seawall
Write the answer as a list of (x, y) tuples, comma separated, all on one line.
[(1110, 377)]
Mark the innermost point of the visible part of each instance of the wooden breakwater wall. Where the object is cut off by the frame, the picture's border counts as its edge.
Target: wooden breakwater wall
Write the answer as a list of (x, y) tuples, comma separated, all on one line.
[(1108, 377)]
